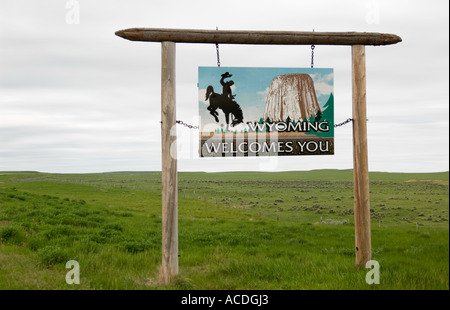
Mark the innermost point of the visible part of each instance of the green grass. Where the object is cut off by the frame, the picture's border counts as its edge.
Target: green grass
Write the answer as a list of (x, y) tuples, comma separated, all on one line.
[(240, 230)]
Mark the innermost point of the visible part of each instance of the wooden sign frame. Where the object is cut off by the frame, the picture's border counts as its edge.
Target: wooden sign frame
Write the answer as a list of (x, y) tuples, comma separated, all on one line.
[(169, 38)]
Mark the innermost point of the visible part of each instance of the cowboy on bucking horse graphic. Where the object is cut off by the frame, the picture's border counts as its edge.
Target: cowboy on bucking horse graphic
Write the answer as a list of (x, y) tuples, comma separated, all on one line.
[(224, 101)]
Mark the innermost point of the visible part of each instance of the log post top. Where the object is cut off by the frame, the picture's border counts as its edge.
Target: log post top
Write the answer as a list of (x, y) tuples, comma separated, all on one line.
[(257, 37)]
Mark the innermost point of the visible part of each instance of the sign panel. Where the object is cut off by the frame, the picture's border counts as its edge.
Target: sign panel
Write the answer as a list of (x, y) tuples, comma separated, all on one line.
[(265, 111)]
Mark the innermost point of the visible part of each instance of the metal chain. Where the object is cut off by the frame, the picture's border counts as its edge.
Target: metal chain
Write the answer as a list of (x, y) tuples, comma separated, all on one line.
[(186, 125), (218, 56), (312, 54), (348, 120), (217, 52)]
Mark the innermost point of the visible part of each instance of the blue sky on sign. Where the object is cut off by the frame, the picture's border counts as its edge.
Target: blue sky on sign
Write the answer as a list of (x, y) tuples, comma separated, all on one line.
[(251, 85)]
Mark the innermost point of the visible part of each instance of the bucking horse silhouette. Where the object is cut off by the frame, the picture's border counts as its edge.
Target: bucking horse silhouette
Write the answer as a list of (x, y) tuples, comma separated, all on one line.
[(224, 102)]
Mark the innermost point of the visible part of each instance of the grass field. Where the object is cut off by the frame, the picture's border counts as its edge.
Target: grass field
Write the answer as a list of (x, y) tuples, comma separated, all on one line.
[(237, 230)]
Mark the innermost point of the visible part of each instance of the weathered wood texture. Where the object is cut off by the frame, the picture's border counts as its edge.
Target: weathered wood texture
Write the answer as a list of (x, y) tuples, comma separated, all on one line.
[(169, 267), (360, 158), (257, 37)]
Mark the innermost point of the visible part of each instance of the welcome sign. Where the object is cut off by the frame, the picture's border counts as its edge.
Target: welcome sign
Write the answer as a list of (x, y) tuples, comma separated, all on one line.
[(265, 111)]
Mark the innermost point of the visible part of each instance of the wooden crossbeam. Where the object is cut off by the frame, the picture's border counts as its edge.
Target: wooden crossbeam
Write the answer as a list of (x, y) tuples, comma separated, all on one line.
[(257, 37)]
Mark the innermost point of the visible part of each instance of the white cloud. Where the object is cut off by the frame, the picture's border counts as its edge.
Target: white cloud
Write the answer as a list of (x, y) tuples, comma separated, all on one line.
[(202, 96), (263, 94), (323, 88)]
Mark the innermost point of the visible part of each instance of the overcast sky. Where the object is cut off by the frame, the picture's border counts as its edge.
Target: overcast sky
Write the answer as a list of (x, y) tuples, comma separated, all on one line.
[(76, 98)]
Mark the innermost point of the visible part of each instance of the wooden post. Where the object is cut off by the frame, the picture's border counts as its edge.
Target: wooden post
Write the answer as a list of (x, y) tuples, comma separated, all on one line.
[(360, 158), (169, 267)]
